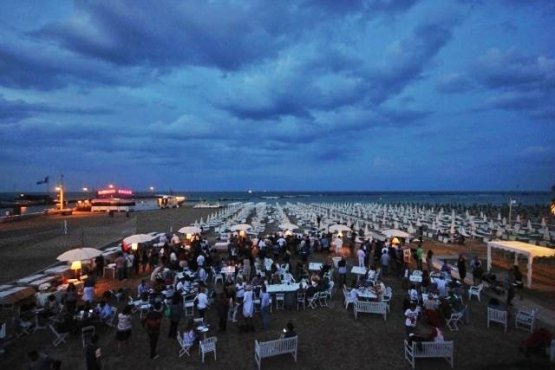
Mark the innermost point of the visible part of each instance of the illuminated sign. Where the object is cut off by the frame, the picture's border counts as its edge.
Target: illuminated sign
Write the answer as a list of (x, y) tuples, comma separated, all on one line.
[(111, 193)]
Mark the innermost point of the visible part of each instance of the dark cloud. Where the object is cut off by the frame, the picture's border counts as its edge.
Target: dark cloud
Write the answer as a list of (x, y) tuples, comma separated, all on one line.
[(31, 65), (520, 83), (511, 70), (454, 83), (15, 110)]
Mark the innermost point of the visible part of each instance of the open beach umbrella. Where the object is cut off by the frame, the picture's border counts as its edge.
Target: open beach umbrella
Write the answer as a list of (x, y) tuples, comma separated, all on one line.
[(190, 230), (240, 227), (390, 233), (339, 228), (288, 226), (79, 254), (138, 238)]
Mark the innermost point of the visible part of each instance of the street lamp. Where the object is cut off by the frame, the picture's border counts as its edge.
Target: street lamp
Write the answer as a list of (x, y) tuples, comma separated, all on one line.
[(152, 189), (86, 190), (61, 190)]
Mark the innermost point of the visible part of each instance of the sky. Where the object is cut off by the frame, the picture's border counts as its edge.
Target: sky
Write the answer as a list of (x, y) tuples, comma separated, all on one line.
[(278, 95)]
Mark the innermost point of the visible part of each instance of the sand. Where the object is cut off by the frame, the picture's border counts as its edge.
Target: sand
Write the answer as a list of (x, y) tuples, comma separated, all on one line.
[(329, 338)]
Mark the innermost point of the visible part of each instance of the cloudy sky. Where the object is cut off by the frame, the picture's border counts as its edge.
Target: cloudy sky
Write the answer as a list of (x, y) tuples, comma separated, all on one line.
[(278, 95)]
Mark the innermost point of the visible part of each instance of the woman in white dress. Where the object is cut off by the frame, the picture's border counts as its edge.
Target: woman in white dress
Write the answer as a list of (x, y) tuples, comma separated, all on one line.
[(248, 305)]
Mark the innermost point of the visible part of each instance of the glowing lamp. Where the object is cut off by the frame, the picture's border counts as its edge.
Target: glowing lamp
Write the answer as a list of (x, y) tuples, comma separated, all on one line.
[(340, 234), (242, 233), (76, 265), (134, 246), (395, 241), (288, 233), (189, 236)]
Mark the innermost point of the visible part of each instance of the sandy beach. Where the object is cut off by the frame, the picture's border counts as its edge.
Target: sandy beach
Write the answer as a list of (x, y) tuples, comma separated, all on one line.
[(330, 338), (31, 245)]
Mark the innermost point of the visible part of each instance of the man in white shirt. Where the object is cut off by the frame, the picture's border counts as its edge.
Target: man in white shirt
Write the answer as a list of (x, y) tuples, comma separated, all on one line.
[(202, 302), (200, 260), (411, 314), (361, 255)]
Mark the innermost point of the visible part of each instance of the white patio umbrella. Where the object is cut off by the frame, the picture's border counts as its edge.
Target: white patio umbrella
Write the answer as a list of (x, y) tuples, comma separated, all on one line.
[(79, 254), (390, 233), (240, 227), (339, 228), (190, 230), (138, 238)]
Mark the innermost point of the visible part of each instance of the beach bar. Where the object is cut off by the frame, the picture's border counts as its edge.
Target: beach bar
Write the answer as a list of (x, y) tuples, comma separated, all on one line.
[(530, 251)]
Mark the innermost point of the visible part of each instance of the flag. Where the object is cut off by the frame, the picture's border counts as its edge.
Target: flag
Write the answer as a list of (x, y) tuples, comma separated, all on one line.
[(513, 201), (45, 181)]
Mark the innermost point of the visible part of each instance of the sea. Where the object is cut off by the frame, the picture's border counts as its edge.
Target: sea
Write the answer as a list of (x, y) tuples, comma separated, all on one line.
[(147, 201)]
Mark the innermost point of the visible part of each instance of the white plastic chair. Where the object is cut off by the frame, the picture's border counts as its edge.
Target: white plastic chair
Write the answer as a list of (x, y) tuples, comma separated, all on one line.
[(217, 277), (208, 345), (387, 297), (498, 316), (189, 305), (526, 319), (475, 291), (301, 299), (347, 298)]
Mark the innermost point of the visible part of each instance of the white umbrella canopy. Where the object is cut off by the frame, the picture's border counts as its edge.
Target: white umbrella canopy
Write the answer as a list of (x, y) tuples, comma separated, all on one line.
[(190, 230), (79, 254), (288, 226), (339, 228), (390, 233), (138, 238), (240, 227)]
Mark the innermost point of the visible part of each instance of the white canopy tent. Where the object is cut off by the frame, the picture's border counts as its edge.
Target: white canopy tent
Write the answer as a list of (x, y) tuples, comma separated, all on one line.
[(530, 251)]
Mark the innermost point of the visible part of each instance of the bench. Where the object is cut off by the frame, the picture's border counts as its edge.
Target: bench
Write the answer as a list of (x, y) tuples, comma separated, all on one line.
[(379, 308), (416, 350), (274, 348)]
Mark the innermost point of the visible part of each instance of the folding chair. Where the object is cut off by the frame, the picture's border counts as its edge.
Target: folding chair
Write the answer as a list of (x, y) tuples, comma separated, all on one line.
[(280, 301), (313, 301), (86, 334), (301, 299), (208, 345), (184, 349), (59, 337), (452, 322), (113, 320)]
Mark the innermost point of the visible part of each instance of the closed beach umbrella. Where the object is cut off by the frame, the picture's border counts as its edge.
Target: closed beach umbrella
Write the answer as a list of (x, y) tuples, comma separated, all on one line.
[(240, 227), (79, 254), (138, 238), (288, 226), (190, 230)]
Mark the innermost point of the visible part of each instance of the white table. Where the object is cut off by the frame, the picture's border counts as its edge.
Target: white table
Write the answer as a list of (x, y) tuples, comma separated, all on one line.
[(315, 266), (358, 270), (221, 246), (336, 261), (366, 294), (415, 278), (110, 269), (282, 288), (228, 270)]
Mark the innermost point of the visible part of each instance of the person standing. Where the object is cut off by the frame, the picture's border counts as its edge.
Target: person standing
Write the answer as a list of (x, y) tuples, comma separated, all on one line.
[(222, 307), (152, 323), (461, 266), (125, 323), (248, 305), (265, 307), (361, 255), (429, 260), (476, 266), (510, 286), (419, 256), (411, 314), (176, 313), (93, 354), (201, 301)]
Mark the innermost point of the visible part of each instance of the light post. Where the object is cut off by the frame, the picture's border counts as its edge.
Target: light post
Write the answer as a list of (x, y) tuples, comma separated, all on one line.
[(61, 190), (151, 190), (86, 190)]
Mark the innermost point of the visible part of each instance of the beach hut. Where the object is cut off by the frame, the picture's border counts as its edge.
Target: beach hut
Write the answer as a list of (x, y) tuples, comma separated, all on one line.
[(530, 251)]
